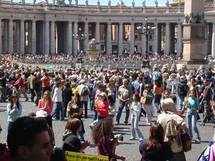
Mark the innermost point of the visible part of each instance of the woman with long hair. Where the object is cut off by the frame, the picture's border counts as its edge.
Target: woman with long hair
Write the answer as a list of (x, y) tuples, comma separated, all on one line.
[(102, 136), (46, 104), (14, 109), (155, 149)]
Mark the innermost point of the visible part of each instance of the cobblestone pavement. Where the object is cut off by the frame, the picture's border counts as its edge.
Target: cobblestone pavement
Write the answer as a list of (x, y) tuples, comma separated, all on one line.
[(128, 148)]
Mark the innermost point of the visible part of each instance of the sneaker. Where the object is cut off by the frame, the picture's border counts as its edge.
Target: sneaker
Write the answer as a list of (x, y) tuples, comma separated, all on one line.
[(132, 138), (140, 140)]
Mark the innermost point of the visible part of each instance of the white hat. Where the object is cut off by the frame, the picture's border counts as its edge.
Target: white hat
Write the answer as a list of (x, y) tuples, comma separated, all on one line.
[(41, 113)]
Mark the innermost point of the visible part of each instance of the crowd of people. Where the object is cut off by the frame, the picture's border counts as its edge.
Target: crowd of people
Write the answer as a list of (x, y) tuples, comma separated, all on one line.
[(175, 97)]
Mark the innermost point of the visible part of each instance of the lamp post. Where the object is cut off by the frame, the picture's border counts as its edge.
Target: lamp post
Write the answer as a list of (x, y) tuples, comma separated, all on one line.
[(80, 36), (146, 30)]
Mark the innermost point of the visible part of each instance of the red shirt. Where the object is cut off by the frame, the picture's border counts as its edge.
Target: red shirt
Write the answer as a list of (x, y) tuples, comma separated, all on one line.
[(102, 108), (45, 81)]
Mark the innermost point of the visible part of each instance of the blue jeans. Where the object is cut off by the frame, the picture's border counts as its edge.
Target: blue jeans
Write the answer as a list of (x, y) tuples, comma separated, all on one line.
[(181, 101), (135, 131), (84, 105), (192, 123), (58, 111), (119, 113)]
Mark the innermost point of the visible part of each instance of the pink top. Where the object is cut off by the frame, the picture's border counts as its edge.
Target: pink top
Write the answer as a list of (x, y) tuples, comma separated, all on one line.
[(212, 153), (48, 108)]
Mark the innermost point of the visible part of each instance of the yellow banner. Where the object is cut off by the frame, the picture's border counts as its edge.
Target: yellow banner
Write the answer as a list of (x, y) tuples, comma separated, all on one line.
[(72, 156)]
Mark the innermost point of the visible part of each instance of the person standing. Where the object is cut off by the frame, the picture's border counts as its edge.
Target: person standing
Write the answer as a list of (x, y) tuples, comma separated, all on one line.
[(192, 105), (135, 115), (31, 85), (14, 109), (58, 99), (45, 83), (146, 101), (124, 95)]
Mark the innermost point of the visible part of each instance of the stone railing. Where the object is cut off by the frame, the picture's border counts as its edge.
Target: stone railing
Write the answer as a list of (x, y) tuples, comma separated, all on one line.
[(91, 8)]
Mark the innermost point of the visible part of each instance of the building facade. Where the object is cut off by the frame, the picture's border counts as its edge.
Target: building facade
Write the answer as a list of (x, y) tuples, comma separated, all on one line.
[(47, 28)]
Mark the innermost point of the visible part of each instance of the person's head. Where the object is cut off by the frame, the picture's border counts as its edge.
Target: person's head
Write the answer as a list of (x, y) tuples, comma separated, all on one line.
[(29, 140), (125, 82), (73, 125), (156, 135), (72, 143), (47, 95), (168, 104), (136, 97), (103, 96), (76, 97), (103, 128), (167, 94), (147, 87), (192, 93), (14, 98)]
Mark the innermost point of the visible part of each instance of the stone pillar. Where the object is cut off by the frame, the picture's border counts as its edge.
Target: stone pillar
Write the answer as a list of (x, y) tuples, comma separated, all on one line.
[(132, 41), (167, 39), (69, 38), (10, 35), (120, 43), (53, 42), (109, 39), (98, 35), (46, 43), (33, 37), (1, 36), (143, 41), (179, 40), (86, 41), (75, 40), (213, 41), (22, 38), (155, 46)]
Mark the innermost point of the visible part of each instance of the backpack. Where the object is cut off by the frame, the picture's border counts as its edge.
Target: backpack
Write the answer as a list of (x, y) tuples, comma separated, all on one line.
[(205, 155), (85, 91)]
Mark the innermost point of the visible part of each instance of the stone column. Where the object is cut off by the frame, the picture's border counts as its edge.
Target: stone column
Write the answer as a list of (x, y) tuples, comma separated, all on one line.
[(33, 37), (10, 35), (155, 48), (213, 41), (167, 39), (22, 38), (46, 43), (0, 35), (109, 39), (98, 35), (53, 42), (179, 40), (120, 43), (143, 41), (86, 41), (69, 38), (75, 40), (132, 40)]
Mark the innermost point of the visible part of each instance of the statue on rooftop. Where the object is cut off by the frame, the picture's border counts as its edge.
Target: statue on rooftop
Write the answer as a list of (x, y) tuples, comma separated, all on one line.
[(76, 2), (86, 3), (133, 4), (144, 4), (156, 3), (109, 3)]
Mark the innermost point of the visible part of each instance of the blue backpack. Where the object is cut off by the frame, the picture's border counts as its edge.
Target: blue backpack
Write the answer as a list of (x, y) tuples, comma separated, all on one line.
[(205, 155)]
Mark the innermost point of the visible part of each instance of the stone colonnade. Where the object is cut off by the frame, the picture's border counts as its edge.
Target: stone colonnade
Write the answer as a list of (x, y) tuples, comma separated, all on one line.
[(46, 37)]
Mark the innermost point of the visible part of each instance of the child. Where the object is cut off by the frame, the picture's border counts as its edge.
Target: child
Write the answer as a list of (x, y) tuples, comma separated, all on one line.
[(102, 106), (135, 114)]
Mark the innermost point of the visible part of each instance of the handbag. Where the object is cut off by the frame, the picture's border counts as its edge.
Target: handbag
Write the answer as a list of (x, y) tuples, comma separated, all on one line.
[(185, 141)]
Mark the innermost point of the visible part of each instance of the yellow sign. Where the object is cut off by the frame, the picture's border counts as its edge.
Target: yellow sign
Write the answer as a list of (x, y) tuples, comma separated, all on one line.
[(72, 156)]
